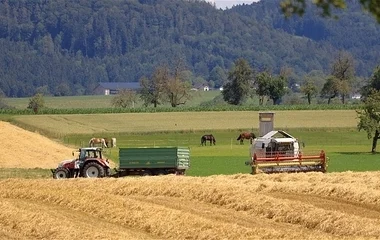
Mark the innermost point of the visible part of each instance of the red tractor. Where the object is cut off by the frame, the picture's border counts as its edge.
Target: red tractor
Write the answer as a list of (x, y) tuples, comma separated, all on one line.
[(89, 164)]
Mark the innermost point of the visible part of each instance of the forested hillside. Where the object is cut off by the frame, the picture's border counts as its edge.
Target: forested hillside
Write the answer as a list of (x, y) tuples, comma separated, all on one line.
[(351, 30), (65, 47)]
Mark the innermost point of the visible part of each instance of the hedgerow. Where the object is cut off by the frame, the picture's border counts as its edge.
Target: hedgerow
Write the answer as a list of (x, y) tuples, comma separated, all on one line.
[(182, 109)]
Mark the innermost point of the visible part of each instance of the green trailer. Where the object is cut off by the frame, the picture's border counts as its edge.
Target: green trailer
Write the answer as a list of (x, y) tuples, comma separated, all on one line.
[(153, 161)]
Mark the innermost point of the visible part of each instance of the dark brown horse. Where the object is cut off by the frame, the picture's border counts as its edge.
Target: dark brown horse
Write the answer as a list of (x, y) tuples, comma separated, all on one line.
[(206, 138), (246, 135)]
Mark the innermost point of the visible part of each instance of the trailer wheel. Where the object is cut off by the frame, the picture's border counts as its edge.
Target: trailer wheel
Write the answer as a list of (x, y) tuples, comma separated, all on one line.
[(61, 173), (93, 170), (160, 172), (146, 173)]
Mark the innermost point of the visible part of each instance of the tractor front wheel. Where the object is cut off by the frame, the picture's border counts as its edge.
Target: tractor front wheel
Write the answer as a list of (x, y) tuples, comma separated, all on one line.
[(61, 173), (93, 170)]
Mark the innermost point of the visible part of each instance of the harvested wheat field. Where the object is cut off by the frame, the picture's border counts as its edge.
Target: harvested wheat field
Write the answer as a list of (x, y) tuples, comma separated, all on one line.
[(24, 149), (242, 206)]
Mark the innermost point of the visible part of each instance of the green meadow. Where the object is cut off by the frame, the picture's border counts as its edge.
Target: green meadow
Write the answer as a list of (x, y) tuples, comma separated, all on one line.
[(99, 101), (333, 131), (347, 149)]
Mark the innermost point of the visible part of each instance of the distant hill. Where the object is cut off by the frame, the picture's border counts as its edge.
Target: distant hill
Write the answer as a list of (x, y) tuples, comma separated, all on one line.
[(354, 30), (65, 47)]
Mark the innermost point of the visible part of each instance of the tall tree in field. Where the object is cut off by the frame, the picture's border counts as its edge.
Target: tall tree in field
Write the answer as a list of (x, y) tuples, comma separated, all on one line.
[(263, 82), (290, 7), (330, 89), (309, 89), (237, 89), (374, 83), (277, 88), (369, 117), (152, 90), (344, 71), (176, 89), (125, 98), (36, 102)]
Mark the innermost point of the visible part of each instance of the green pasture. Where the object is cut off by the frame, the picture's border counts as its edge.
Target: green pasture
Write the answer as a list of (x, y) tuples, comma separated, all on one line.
[(347, 149), (99, 101), (333, 131)]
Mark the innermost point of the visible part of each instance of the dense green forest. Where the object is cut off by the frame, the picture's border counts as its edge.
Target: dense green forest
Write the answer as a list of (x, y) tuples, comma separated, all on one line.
[(66, 47)]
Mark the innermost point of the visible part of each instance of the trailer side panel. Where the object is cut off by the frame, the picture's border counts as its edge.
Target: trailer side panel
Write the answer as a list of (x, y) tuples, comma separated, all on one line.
[(155, 158)]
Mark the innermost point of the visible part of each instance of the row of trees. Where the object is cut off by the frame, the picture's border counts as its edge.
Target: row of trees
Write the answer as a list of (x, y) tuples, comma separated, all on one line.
[(338, 84), (165, 85), (243, 82)]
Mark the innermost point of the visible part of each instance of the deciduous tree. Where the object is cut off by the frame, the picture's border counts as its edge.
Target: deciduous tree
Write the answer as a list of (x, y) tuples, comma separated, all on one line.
[(263, 80), (277, 89), (237, 89), (344, 71), (330, 89), (152, 90), (374, 83), (36, 102), (177, 90), (125, 98), (309, 89), (369, 118)]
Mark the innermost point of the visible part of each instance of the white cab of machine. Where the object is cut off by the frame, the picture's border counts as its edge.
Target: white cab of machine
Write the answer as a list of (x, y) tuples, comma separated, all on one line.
[(275, 143)]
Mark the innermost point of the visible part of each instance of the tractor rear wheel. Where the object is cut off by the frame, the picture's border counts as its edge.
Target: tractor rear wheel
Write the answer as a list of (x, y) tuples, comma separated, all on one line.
[(93, 170), (61, 173)]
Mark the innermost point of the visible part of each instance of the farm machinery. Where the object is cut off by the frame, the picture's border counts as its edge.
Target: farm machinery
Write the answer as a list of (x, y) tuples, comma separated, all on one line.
[(278, 151), (89, 163), (133, 162)]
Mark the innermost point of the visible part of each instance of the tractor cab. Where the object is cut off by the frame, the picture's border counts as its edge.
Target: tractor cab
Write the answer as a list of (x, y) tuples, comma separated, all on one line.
[(89, 152)]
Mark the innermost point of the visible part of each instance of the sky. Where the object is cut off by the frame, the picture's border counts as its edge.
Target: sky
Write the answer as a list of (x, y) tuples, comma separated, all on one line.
[(229, 3)]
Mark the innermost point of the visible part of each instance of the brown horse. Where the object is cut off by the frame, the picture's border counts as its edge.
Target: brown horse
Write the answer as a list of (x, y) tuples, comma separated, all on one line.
[(246, 135), (206, 138), (100, 141)]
